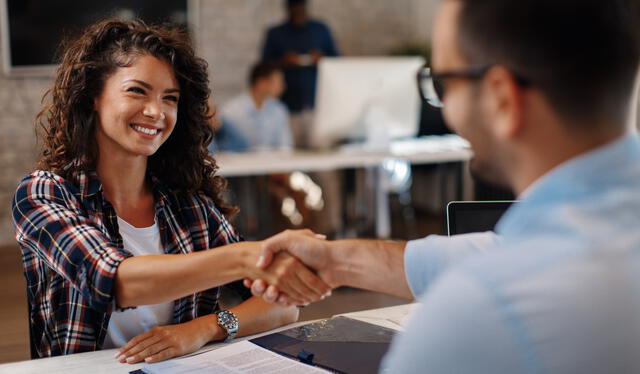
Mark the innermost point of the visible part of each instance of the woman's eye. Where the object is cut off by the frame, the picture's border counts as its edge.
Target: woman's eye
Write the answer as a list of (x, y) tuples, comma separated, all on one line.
[(136, 90), (171, 98)]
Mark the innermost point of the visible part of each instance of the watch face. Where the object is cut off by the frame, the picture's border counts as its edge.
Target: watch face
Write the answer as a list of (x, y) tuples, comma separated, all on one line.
[(229, 322), (227, 318)]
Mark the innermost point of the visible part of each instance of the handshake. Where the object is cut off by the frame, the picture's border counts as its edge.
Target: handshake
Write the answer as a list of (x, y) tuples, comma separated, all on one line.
[(297, 267)]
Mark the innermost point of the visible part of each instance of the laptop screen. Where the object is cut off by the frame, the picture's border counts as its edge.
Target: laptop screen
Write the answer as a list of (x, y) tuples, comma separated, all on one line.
[(474, 216)]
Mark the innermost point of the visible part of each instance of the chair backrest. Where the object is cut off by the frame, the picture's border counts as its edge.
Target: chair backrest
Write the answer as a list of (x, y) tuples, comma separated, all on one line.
[(32, 342)]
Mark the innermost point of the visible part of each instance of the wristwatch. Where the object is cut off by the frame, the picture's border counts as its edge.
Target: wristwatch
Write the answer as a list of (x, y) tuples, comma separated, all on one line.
[(229, 322)]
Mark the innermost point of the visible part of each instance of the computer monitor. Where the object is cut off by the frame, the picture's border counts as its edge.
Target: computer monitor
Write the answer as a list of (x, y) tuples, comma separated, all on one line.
[(374, 99), (32, 30)]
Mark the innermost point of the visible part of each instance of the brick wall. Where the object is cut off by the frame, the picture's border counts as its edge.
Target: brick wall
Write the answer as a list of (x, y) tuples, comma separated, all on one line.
[(19, 103), (229, 36)]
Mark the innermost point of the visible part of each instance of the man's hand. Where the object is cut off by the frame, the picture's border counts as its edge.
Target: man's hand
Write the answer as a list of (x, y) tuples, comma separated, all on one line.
[(164, 342), (310, 248), (290, 59), (289, 276), (316, 55)]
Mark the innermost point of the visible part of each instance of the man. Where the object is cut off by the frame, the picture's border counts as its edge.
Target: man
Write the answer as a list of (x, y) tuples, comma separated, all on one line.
[(254, 121), (257, 120), (542, 90), (298, 45)]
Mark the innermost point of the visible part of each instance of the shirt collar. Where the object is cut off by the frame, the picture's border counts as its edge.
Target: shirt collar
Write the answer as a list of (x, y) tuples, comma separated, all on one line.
[(586, 170), (586, 174), (291, 27), (160, 191), (90, 186), (251, 105)]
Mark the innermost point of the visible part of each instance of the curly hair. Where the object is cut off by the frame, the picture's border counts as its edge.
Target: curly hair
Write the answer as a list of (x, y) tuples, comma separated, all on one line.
[(69, 121)]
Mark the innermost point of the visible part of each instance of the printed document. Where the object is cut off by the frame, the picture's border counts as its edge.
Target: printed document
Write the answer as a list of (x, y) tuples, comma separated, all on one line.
[(238, 358)]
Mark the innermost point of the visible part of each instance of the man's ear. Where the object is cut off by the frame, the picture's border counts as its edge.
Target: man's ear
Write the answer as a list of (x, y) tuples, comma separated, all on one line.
[(504, 102)]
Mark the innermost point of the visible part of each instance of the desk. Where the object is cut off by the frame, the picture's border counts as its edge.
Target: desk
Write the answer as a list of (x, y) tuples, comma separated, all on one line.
[(104, 362), (424, 150)]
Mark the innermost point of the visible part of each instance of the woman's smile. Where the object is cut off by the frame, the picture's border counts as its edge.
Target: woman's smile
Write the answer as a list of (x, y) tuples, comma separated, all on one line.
[(144, 97), (145, 131)]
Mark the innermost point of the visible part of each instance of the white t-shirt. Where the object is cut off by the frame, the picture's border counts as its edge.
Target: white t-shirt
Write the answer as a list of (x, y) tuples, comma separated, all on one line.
[(125, 325)]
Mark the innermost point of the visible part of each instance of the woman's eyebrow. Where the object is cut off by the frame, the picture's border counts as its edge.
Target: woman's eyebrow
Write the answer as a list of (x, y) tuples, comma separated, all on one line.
[(149, 87), (142, 83)]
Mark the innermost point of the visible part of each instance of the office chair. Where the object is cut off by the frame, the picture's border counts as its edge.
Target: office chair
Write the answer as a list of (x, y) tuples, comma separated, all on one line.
[(33, 351)]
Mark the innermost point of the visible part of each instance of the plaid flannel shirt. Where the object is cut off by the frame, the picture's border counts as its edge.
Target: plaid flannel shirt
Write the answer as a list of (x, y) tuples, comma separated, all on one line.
[(71, 249)]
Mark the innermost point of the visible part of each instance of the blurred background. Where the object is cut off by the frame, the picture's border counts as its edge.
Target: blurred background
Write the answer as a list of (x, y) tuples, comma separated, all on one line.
[(230, 35)]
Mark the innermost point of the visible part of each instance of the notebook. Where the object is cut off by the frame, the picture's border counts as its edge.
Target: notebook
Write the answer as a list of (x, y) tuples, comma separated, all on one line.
[(340, 344)]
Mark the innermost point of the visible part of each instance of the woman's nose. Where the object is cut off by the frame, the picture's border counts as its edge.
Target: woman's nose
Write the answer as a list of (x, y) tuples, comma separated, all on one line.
[(153, 109)]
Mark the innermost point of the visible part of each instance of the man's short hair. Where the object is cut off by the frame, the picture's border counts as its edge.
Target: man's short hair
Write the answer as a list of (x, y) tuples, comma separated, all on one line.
[(262, 70), (290, 3), (582, 55)]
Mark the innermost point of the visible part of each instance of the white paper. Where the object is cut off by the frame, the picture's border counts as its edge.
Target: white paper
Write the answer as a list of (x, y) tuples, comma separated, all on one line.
[(238, 358), (394, 317)]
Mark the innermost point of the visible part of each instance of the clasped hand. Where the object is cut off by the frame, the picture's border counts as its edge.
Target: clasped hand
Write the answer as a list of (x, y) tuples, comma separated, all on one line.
[(309, 249), (289, 280)]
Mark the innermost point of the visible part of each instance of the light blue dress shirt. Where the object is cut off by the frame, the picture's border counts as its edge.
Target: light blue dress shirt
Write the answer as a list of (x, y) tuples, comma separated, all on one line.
[(558, 292), (264, 128)]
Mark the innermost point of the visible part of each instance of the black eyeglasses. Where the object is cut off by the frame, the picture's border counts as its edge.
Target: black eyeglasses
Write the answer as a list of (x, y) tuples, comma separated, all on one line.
[(431, 85)]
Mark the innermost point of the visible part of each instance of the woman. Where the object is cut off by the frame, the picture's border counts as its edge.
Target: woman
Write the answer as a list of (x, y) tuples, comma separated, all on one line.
[(126, 204)]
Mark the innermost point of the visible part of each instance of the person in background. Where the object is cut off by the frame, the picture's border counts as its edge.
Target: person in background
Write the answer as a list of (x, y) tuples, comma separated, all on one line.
[(225, 139), (257, 118), (297, 45), (257, 121), (123, 229), (543, 91)]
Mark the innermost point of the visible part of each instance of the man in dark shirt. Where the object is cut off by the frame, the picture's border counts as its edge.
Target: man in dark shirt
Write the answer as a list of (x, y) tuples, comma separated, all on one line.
[(297, 45)]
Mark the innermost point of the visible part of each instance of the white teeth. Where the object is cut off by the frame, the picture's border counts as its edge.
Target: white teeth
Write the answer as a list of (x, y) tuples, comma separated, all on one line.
[(145, 130)]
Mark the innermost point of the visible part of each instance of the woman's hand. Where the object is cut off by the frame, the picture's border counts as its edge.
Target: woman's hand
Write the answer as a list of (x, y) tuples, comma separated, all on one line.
[(309, 249), (164, 342)]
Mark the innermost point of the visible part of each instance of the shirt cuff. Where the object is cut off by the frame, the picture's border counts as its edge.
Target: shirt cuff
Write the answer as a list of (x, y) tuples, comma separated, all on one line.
[(103, 280)]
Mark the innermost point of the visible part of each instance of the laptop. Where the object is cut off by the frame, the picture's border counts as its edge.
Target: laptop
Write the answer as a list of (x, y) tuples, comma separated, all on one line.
[(474, 216)]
